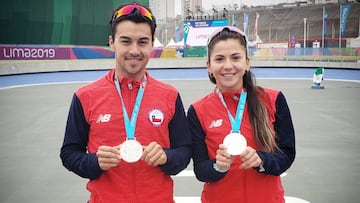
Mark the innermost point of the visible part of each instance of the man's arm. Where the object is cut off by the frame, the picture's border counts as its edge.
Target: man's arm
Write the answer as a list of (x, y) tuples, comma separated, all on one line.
[(179, 154), (73, 152)]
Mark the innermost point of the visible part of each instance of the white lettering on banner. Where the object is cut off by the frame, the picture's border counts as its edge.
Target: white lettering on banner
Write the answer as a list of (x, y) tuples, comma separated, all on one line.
[(202, 36), (28, 53), (201, 24)]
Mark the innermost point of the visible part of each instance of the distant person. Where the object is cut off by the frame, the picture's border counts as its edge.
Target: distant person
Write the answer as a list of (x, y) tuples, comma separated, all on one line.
[(243, 135), (127, 132)]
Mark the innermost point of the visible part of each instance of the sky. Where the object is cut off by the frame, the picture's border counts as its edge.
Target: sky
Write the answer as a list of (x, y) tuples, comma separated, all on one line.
[(208, 4)]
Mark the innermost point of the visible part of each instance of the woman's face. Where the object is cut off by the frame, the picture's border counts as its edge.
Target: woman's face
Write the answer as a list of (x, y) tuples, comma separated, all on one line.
[(228, 63)]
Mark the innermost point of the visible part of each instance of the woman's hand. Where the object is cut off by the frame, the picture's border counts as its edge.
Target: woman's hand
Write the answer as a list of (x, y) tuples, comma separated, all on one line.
[(223, 159), (250, 159)]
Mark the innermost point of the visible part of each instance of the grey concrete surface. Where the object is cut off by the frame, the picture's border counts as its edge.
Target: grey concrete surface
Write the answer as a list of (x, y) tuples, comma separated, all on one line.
[(9, 67), (326, 123)]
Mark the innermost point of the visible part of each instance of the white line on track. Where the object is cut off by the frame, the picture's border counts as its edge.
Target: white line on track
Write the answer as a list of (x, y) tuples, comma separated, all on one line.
[(190, 173), (192, 199), (79, 82)]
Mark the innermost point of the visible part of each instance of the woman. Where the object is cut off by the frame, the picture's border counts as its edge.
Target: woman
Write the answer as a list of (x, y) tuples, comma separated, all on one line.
[(256, 122)]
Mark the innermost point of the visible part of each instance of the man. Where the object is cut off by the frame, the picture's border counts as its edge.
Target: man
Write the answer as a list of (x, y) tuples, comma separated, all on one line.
[(127, 132)]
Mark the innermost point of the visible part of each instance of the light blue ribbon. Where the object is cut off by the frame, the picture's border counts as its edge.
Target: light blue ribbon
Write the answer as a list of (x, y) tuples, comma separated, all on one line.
[(235, 122), (130, 124)]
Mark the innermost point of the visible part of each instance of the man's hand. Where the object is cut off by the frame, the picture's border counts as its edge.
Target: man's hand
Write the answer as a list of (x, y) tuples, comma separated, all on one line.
[(108, 157), (154, 154)]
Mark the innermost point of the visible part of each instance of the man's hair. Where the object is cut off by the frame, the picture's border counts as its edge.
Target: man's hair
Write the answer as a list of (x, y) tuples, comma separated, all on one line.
[(135, 16)]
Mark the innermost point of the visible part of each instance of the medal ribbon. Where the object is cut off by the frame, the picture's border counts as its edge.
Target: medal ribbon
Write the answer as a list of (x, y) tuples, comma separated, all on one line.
[(235, 122), (130, 124)]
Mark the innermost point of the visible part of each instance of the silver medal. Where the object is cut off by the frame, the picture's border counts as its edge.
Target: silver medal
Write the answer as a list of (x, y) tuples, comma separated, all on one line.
[(235, 143), (131, 151)]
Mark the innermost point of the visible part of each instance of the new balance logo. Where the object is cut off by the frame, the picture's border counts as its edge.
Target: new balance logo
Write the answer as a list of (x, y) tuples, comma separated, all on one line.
[(216, 123), (103, 118)]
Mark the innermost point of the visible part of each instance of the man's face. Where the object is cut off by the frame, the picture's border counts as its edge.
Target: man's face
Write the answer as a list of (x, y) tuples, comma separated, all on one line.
[(132, 45)]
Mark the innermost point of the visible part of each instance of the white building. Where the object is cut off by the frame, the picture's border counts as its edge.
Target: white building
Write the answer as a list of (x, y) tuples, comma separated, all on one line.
[(163, 9)]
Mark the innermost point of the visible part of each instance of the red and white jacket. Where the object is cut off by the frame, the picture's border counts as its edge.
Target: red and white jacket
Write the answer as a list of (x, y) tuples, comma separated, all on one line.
[(96, 118), (209, 124)]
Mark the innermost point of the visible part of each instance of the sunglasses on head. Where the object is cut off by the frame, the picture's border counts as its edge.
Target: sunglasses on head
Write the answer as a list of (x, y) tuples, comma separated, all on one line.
[(128, 9), (231, 28)]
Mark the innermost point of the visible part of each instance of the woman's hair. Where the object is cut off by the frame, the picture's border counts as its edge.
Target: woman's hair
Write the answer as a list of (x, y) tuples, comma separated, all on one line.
[(135, 15), (258, 113)]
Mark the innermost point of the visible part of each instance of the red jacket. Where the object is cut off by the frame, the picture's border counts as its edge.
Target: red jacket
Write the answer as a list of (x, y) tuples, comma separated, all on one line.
[(209, 124), (96, 119)]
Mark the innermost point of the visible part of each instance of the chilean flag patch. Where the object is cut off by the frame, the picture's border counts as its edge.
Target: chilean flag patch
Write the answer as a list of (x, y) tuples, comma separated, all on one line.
[(156, 117)]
